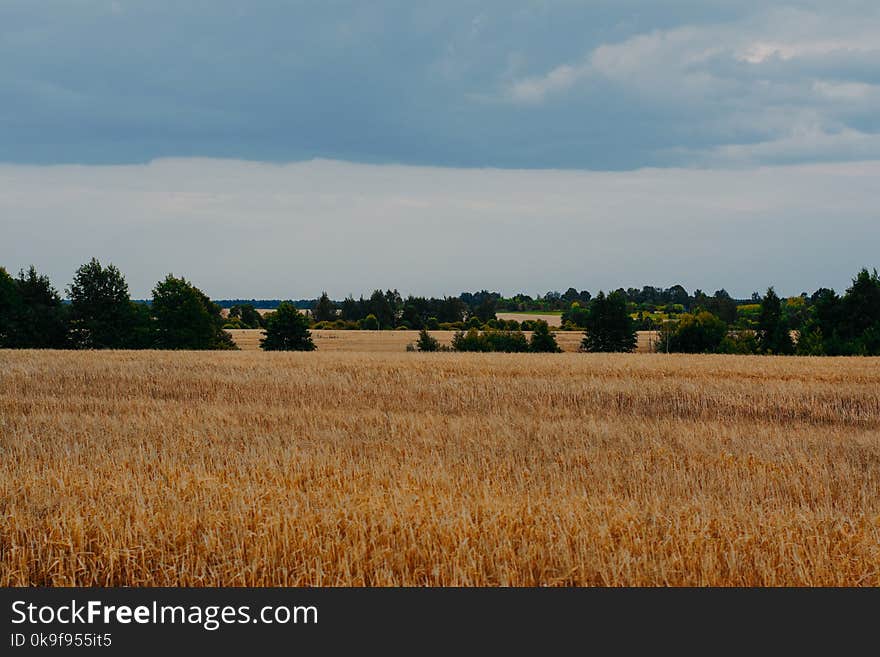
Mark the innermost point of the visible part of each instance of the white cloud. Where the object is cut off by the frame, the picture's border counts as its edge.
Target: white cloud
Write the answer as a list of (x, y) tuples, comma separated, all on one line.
[(789, 79), (536, 89)]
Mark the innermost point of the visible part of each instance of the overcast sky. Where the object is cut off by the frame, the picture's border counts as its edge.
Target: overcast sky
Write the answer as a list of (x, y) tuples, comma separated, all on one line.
[(270, 148)]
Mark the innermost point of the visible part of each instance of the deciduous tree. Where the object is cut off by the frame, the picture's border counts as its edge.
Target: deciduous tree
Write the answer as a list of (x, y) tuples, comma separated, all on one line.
[(701, 333), (102, 315), (186, 318)]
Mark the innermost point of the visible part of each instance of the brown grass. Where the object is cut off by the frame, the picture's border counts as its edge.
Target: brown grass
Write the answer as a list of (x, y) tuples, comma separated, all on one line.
[(391, 341), (552, 320), (249, 468)]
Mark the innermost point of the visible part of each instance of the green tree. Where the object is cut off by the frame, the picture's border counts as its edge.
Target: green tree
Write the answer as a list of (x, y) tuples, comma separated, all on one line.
[(609, 326), (32, 315), (350, 310), (860, 325), (795, 312), (287, 329), (701, 333), (492, 340), (720, 304), (380, 306), (473, 340), (370, 323), (186, 318), (427, 342), (507, 341), (576, 315), (395, 303), (821, 333), (811, 342), (542, 339), (102, 315), (11, 308), (247, 315), (324, 310), (740, 341), (142, 337), (773, 333), (486, 309)]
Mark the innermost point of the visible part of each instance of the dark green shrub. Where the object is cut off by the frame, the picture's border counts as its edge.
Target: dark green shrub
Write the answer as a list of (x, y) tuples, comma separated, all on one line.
[(542, 339), (427, 342), (287, 329)]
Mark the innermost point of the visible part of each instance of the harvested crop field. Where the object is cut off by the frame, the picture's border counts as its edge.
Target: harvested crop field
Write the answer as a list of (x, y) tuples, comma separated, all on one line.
[(553, 319), (391, 341), (323, 468)]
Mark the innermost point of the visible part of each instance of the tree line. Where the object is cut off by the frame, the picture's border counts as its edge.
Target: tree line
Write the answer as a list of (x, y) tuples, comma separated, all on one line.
[(99, 314), (651, 307), (824, 324)]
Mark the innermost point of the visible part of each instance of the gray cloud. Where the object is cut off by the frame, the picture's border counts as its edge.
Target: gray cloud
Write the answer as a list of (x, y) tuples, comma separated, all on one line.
[(612, 84), (786, 85), (248, 229)]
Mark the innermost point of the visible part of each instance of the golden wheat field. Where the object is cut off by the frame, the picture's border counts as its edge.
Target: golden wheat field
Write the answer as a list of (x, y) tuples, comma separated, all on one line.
[(552, 319), (390, 341), (346, 468)]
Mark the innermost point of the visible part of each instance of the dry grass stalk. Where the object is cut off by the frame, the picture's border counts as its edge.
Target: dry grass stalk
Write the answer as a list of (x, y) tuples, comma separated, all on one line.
[(148, 468)]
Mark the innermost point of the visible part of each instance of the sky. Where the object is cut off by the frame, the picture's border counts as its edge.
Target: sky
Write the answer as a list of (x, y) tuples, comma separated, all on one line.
[(279, 148)]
